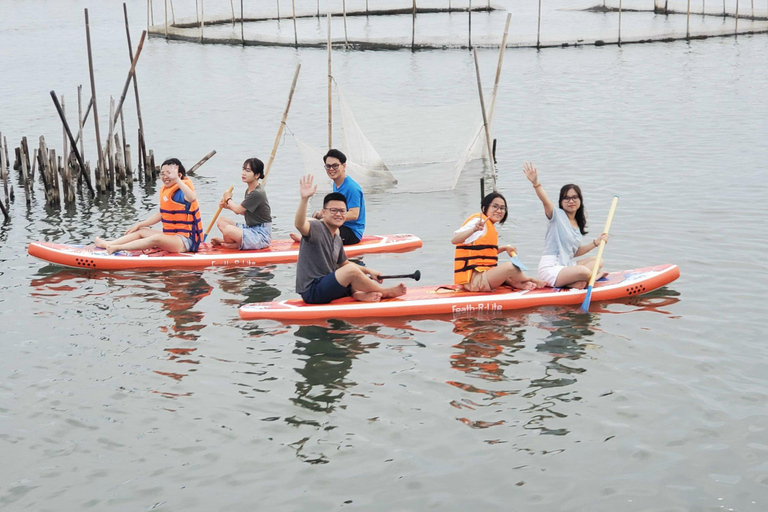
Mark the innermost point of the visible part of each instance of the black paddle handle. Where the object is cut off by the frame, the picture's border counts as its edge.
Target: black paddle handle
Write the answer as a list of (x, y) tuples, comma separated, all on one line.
[(415, 276)]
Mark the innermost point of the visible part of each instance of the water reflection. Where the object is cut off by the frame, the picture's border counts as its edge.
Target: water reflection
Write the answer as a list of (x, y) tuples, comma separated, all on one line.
[(248, 285), (327, 354)]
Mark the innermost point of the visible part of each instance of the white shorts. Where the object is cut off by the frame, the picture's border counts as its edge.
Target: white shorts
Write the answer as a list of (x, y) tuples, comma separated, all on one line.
[(549, 268)]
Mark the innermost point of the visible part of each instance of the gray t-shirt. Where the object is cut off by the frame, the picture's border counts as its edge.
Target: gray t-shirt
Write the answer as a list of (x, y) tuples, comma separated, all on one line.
[(257, 210), (562, 239), (319, 255)]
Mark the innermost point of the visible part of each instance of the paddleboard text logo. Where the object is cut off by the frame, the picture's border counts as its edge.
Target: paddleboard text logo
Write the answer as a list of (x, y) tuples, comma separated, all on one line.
[(478, 308)]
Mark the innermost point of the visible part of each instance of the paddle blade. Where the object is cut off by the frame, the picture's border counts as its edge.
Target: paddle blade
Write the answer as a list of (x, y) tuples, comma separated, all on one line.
[(587, 299), (519, 264), (417, 275)]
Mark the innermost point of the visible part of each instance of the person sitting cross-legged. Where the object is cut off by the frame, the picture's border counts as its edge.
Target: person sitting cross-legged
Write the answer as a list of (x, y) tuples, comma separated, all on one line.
[(323, 272)]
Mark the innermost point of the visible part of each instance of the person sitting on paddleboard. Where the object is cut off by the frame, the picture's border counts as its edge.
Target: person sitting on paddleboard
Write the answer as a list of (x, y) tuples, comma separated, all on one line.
[(323, 272), (351, 231), (256, 232), (476, 266), (563, 242), (179, 213)]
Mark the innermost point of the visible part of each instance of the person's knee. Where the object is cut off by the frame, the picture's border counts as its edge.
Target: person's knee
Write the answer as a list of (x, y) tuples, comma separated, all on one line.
[(221, 223)]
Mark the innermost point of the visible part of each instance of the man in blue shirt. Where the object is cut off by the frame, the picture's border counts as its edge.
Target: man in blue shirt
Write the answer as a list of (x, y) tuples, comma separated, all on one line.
[(354, 224)]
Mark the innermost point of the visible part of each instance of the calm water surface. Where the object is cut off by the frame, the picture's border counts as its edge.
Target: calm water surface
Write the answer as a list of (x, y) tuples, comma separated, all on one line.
[(139, 391)]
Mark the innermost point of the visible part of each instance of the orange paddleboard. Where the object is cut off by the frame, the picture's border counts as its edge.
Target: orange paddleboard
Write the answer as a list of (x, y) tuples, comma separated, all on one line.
[(434, 300), (280, 251)]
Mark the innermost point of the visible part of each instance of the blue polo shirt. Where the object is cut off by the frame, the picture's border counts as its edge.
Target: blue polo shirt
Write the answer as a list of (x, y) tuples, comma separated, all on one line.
[(354, 194)]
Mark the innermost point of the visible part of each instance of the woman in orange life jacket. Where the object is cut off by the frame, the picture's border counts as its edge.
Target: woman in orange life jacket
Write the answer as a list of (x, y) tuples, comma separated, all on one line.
[(476, 265), (179, 213)]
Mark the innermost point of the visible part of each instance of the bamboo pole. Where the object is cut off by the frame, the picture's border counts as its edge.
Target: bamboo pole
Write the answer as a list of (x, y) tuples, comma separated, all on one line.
[(344, 9), (736, 29), (620, 20), (202, 25), (85, 120), (148, 15), (538, 28), (5, 212), (242, 23), (469, 13), (232, 5), (166, 18), (330, 84), (173, 15), (80, 116), (485, 119), (201, 162), (496, 81), (78, 155), (687, 21), (4, 170), (93, 93), (413, 27), (295, 36), (110, 155), (318, 8), (131, 72), (282, 125), (278, 9), (122, 132), (142, 146), (63, 131)]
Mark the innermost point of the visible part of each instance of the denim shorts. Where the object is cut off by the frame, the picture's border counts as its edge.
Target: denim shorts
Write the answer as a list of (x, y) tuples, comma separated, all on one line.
[(255, 237), (187, 243), (323, 290)]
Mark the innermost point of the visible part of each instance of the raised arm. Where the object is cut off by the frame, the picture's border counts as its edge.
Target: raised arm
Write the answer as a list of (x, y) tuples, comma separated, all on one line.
[(189, 194), (307, 189), (533, 176), (467, 230)]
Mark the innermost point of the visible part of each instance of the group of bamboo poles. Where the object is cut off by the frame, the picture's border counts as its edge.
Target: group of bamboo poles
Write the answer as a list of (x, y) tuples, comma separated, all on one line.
[(200, 18)]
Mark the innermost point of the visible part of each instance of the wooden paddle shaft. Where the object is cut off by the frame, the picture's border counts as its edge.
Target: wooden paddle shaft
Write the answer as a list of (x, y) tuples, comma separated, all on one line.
[(213, 220), (602, 242)]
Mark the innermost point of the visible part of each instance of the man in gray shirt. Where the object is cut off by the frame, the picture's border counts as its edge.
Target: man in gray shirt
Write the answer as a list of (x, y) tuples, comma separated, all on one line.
[(323, 272)]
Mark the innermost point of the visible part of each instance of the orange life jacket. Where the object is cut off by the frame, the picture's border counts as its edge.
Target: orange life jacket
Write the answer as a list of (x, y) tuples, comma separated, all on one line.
[(480, 255), (180, 219)]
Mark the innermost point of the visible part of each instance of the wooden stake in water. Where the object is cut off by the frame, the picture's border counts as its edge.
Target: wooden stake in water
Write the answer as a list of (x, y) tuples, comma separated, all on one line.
[(63, 131), (242, 23), (688, 21), (173, 14), (131, 72), (80, 115), (413, 27), (166, 19), (538, 28), (620, 21), (469, 15), (736, 29), (330, 87), (502, 49), (278, 9), (295, 35), (344, 9), (202, 24), (232, 5), (142, 146), (282, 125), (201, 162), (485, 119), (93, 93)]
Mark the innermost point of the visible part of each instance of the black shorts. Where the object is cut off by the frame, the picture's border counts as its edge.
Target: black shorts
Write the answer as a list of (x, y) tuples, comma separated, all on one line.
[(348, 237)]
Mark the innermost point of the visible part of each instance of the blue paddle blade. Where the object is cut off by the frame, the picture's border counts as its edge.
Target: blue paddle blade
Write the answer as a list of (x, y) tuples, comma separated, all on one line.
[(519, 264), (587, 299)]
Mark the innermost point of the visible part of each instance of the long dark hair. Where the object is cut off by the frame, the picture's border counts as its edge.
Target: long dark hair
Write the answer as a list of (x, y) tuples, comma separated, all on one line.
[(486, 203), (581, 214), (176, 161), (256, 165)]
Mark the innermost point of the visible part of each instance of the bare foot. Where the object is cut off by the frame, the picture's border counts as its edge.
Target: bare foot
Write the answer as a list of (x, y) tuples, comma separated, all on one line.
[(394, 291), (602, 275), (216, 241), (524, 285), (538, 282), (296, 238), (100, 242), (578, 285), (367, 296), (111, 249)]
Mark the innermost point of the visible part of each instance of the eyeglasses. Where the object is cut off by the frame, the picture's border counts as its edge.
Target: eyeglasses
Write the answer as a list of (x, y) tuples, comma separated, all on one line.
[(328, 167), (571, 199), (499, 207), (247, 169), (336, 211)]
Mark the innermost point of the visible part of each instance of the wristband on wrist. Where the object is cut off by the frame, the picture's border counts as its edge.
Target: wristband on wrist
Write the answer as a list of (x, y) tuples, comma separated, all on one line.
[(537, 186)]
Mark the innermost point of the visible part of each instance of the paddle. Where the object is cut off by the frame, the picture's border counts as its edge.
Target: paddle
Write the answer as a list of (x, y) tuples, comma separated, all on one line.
[(213, 220), (415, 276), (516, 262), (585, 304)]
